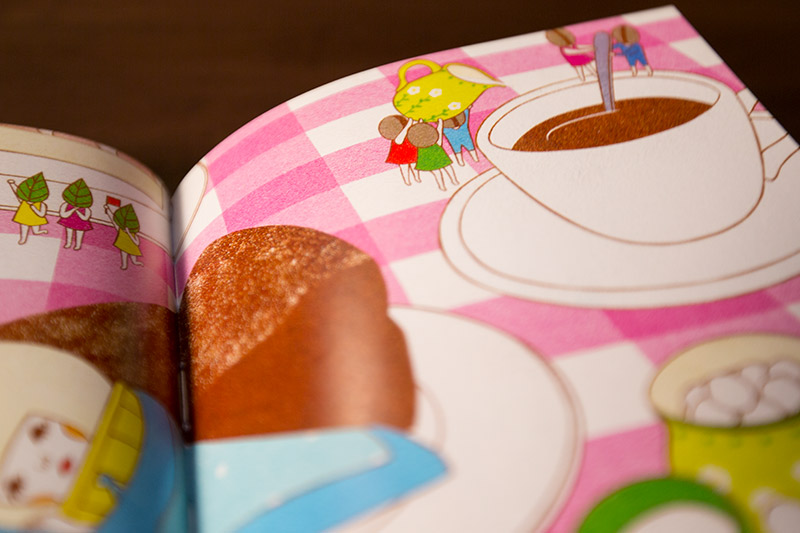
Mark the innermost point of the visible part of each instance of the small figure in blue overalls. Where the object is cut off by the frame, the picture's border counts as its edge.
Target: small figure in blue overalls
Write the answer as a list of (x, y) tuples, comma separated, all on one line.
[(628, 45)]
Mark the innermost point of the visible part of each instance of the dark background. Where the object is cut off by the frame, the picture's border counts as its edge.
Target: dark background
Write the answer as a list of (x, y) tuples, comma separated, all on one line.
[(166, 81)]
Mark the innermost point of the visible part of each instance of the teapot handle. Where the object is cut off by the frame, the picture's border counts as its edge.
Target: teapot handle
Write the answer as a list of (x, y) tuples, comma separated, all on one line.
[(401, 72)]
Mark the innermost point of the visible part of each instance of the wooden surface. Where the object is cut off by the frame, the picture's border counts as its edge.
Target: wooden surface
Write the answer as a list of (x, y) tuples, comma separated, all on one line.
[(166, 81)]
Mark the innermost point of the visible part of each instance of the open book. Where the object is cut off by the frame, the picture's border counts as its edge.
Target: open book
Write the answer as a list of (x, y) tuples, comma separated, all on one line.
[(545, 283)]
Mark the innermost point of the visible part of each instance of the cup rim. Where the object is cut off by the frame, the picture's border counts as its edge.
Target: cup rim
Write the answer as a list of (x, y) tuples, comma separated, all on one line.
[(714, 356), (485, 133)]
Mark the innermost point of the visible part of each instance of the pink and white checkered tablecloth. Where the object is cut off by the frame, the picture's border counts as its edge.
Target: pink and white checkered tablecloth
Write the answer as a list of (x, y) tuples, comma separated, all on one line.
[(318, 161)]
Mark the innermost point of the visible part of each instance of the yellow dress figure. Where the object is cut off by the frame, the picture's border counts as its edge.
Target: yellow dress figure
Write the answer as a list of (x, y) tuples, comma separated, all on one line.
[(31, 212), (127, 242), (27, 214)]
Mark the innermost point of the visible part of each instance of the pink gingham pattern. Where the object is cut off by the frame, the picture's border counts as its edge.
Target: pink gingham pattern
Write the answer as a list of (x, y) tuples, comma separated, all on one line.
[(318, 161), (42, 275)]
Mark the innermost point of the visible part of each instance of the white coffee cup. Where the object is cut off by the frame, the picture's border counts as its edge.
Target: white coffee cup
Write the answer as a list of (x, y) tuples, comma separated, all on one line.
[(685, 183)]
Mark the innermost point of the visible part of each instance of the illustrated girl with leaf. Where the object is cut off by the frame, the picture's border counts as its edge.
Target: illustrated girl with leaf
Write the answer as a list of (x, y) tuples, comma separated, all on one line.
[(75, 212), (30, 214), (127, 223)]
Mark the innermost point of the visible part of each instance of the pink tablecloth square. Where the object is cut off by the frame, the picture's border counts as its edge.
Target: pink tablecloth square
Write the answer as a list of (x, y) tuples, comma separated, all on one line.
[(22, 298), (409, 232), (344, 103), (662, 346), (262, 168), (551, 330), (645, 322), (674, 29), (272, 133), (280, 193)]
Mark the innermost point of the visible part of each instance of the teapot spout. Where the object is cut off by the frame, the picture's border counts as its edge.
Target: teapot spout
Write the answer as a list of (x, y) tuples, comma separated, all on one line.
[(472, 75)]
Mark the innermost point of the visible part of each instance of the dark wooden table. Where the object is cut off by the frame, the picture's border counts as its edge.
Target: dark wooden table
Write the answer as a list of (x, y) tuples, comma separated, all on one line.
[(166, 81)]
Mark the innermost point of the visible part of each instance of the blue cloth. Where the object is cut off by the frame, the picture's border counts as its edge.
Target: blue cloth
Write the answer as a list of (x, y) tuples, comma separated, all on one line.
[(460, 138), (632, 52), (155, 497), (330, 505)]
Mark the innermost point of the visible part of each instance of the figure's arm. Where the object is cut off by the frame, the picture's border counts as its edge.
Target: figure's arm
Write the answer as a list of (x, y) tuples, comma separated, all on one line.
[(440, 130), (578, 49), (13, 186), (110, 215), (42, 211), (85, 215), (64, 211), (402, 135), (134, 237)]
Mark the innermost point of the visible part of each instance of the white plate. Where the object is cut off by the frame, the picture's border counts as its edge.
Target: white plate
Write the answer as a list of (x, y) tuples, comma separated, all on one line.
[(501, 419), (499, 237)]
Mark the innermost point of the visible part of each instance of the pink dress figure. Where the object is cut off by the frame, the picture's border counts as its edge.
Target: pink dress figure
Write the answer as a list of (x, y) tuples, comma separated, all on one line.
[(75, 212), (76, 220), (580, 56)]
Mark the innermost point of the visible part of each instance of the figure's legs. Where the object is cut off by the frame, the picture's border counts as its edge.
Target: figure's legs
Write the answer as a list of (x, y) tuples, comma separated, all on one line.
[(581, 75), (78, 239), (590, 67), (415, 174), (37, 230), (124, 256), (451, 173), (633, 69), (439, 179), (136, 261), (68, 243), (474, 154), (649, 70), (23, 233), (460, 158), (405, 174)]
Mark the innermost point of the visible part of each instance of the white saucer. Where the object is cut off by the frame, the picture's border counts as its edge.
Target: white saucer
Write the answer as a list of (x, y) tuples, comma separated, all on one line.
[(497, 236), (499, 417)]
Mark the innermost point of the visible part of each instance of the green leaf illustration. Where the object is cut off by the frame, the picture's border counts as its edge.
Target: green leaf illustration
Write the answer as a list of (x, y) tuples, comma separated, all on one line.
[(125, 217), (78, 194), (33, 189)]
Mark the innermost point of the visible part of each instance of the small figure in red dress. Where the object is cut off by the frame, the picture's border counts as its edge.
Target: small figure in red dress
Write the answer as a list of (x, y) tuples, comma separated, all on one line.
[(401, 153)]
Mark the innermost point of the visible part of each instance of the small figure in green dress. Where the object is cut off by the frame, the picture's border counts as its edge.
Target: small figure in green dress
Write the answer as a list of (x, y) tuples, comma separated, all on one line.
[(127, 223), (430, 154), (31, 212)]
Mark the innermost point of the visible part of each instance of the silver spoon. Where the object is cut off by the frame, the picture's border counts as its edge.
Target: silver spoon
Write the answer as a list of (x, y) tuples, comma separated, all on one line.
[(602, 56)]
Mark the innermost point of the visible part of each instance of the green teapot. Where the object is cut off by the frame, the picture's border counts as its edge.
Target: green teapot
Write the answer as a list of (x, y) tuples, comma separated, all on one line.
[(443, 93)]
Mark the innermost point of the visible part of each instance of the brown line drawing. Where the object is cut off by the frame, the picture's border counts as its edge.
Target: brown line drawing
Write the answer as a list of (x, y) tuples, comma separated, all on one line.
[(556, 300)]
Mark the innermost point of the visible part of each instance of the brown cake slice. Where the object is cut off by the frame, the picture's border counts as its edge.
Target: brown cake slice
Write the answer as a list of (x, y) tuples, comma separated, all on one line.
[(285, 328), (126, 341)]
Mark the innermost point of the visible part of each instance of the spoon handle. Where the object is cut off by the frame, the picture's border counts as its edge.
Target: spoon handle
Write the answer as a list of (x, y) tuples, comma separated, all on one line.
[(602, 56)]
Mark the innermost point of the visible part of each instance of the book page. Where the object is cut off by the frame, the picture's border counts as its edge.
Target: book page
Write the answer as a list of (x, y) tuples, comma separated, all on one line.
[(558, 269), (88, 434)]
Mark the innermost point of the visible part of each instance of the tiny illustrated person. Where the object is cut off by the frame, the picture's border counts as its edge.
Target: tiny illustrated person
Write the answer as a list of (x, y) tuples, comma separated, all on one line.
[(30, 214), (431, 156), (456, 131), (75, 212), (628, 45), (580, 56), (401, 152), (127, 240)]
